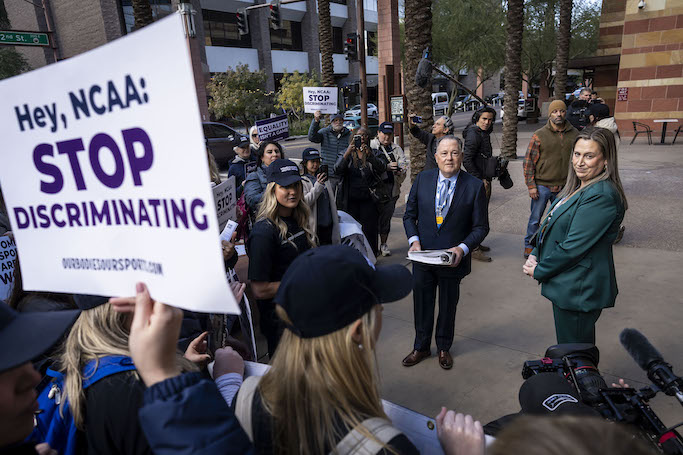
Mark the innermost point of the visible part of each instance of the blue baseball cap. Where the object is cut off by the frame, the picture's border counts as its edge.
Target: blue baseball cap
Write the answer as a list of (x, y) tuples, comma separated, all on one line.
[(310, 153), (283, 172), (327, 288), (386, 127), (337, 116)]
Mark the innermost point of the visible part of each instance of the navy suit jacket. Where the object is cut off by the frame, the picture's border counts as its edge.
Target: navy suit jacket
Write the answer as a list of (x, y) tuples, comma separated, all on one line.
[(467, 220)]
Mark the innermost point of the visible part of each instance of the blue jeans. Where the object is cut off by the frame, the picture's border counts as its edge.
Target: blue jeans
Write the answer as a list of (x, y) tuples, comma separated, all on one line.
[(537, 208)]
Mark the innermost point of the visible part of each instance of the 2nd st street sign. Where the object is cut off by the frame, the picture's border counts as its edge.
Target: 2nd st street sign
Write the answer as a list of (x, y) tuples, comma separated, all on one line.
[(24, 38)]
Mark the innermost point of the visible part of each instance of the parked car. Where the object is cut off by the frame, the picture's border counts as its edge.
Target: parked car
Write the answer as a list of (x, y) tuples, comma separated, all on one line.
[(355, 111), (221, 139), (521, 110), (470, 103), (458, 103), (352, 123), (439, 103)]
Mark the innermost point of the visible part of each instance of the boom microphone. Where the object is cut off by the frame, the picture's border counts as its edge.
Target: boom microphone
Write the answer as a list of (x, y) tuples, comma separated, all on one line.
[(650, 360), (423, 73)]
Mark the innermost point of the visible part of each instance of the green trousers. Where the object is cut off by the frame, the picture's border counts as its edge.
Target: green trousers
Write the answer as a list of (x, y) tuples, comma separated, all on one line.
[(575, 326)]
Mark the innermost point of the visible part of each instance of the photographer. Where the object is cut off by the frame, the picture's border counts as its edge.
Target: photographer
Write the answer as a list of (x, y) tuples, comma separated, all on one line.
[(477, 148), (578, 112), (319, 196), (359, 170)]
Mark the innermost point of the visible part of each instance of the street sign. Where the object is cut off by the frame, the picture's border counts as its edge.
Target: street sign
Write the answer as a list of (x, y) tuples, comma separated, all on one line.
[(397, 109), (24, 38), (622, 94)]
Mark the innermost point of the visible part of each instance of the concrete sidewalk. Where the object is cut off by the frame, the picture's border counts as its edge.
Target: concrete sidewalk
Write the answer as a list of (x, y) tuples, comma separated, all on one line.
[(503, 320)]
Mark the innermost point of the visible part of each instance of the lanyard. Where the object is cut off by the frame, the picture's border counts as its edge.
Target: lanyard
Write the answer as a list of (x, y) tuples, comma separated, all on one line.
[(439, 204)]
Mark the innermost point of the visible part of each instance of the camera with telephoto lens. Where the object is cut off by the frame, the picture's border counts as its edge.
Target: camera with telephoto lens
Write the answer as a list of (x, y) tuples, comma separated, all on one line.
[(578, 364)]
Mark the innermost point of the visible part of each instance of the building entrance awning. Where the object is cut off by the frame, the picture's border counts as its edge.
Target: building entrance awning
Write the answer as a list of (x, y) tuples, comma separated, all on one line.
[(585, 63)]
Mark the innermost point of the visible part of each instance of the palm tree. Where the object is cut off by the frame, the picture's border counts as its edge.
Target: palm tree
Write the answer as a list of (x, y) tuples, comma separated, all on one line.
[(562, 54), (513, 76), (142, 13), (325, 35), (418, 36)]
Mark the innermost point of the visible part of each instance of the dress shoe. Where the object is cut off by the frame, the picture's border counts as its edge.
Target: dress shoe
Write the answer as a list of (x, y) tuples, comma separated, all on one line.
[(415, 357), (445, 360), (484, 248), (527, 252), (479, 255)]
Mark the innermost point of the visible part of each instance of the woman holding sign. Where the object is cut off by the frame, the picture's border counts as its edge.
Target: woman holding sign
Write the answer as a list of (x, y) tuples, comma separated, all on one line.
[(256, 181), (279, 235)]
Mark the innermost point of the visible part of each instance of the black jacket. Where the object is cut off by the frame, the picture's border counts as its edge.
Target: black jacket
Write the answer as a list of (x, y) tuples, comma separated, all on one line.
[(477, 146), (577, 114), (187, 415), (430, 141), (342, 169), (467, 220)]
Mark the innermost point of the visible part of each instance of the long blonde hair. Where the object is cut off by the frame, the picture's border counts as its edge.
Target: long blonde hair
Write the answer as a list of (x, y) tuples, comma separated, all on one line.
[(98, 332), (605, 140), (268, 210), (316, 383)]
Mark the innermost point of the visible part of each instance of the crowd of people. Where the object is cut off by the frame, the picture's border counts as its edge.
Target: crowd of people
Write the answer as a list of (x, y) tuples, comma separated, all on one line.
[(127, 375)]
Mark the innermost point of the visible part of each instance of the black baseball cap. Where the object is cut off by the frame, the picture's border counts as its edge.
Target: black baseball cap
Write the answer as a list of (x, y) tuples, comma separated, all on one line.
[(336, 116), (88, 302), (327, 288), (386, 127), (310, 153), (283, 172), (25, 336), (551, 394), (244, 143), (599, 110)]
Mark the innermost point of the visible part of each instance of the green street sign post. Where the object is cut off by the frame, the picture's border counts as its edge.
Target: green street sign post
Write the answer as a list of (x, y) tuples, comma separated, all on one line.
[(24, 38)]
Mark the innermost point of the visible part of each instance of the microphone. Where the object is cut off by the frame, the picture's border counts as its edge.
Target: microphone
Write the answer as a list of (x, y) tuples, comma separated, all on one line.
[(423, 73), (650, 360)]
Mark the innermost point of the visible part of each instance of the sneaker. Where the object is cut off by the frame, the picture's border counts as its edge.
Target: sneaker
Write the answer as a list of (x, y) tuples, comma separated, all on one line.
[(384, 250), (480, 256)]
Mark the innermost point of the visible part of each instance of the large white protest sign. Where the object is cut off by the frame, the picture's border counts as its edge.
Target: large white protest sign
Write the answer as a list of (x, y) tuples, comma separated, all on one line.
[(105, 175), (226, 202), (323, 99), (8, 254)]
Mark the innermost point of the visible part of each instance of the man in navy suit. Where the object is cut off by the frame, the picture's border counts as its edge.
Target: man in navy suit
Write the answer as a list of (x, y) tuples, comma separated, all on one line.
[(446, 209)]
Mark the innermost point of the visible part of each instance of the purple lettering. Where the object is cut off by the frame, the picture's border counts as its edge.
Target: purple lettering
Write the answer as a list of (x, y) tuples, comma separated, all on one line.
[(179, 212), (127, 211), (48, 169), (18, 212), (98, 142), (71, 148), (143, 214), (138, 164), (204, 224), (33, 216), (42, 215), (79, 104), (54, 218), (72, 214), (155, 205), (98, 109), (101, 215)]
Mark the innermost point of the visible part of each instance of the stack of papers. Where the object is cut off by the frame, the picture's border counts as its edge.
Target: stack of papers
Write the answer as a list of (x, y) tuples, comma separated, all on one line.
[(432, 257)]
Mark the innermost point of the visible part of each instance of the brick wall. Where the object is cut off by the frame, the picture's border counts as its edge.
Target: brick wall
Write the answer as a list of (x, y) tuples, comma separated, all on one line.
[(651, 64)]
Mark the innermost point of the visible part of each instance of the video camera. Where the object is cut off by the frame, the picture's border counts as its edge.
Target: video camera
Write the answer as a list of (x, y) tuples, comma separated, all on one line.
[(578, 364)]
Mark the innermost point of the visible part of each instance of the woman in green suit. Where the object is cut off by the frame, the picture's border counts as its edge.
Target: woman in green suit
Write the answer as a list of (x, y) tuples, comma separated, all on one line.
[(573, 255)]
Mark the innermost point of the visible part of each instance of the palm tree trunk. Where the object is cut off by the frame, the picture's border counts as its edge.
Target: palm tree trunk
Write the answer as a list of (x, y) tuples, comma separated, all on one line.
[(142, 13), (513, 76), (562, 53), (325, 36), (418, 36)]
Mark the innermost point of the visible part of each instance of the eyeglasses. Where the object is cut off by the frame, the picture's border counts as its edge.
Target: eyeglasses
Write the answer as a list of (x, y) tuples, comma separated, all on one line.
[(254, 135)]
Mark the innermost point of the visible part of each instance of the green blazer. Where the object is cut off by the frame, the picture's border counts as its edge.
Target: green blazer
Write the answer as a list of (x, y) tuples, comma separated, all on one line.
[(575, 262)]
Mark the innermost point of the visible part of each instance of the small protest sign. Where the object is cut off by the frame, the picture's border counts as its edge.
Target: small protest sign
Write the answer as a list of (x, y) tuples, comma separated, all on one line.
[(323, 99), (8, 256), (106, 179), (226, 202), (273, 129)]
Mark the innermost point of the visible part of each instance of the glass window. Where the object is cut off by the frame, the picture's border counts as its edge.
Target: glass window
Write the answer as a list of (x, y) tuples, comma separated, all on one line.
[(160, 8), (337, 40), (220, 29), (371, 43), (287, 38)]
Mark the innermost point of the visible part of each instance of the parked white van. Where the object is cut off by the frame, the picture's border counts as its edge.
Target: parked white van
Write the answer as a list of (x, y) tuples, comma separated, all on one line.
[(440, 103)]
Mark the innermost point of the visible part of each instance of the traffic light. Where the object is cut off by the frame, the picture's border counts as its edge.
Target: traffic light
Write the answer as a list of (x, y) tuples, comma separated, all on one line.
[(275, 21), (351, 47), (242, 21)]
